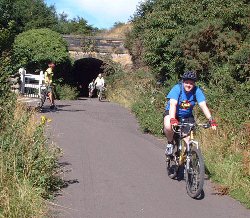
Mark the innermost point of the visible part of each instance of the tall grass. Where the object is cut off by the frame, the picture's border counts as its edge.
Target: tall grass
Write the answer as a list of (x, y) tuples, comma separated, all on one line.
[(27, 165), (227, 161), (227, 151)]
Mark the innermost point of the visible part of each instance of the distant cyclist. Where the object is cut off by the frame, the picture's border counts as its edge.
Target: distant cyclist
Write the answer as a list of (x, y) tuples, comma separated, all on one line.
[(49, 84), (181, 101), (99, 83), (91, 88)]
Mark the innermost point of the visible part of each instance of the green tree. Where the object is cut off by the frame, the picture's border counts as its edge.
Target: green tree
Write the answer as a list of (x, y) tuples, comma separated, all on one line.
[(75, 26), (36, 14), (35, 48), (27, 14)]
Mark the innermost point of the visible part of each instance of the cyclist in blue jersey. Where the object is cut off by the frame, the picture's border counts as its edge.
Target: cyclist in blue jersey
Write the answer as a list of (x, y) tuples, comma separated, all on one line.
[(181, 101)]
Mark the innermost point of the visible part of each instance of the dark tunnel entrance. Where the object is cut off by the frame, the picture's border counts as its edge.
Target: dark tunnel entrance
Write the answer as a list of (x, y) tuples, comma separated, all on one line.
[(84, 71)]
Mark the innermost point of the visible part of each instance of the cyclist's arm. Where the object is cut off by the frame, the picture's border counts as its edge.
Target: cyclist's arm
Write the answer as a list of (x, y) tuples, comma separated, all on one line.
[(207, 113), (173, 97), (204, 108), (172, 109)]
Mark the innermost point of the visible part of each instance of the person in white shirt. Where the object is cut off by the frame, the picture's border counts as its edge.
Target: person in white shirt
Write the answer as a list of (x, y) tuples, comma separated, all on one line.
[(99, 83)]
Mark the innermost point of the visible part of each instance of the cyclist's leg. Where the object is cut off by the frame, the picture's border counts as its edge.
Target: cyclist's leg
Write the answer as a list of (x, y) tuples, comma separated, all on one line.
[(98, 91), (51, 97), (49, 91), (169, 134), (167, 128)]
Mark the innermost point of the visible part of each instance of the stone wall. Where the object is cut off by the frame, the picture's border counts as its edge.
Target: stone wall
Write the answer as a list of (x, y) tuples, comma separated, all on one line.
[(124, 59)]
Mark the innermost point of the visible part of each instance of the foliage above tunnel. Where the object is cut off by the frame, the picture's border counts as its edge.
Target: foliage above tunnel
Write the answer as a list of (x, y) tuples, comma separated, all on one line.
[(35, 48)]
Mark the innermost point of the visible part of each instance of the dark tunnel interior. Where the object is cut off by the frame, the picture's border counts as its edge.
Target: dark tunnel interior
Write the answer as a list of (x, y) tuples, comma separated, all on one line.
[(84, 71)]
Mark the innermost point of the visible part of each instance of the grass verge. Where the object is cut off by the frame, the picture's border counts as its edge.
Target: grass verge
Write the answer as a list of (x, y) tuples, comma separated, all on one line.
[(27, 164)]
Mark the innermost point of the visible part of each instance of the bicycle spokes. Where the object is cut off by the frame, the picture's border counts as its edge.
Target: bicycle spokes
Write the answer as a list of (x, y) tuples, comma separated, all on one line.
[(195, 173)]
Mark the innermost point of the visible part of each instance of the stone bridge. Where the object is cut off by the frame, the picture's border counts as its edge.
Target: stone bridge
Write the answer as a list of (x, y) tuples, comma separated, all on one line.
[(98, 47)]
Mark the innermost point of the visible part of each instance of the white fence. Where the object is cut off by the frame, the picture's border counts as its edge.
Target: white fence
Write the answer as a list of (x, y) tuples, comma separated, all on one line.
[(31, 84)]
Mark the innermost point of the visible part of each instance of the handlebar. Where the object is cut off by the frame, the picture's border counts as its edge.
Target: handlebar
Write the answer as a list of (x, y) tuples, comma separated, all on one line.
[(191, 126)]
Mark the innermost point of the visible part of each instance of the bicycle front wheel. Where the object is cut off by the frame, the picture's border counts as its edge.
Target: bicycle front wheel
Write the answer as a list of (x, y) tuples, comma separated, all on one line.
[(195, 173), (172, 168)]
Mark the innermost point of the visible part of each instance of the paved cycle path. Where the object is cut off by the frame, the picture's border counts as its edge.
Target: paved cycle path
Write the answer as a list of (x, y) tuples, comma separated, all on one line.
[(112, 170)]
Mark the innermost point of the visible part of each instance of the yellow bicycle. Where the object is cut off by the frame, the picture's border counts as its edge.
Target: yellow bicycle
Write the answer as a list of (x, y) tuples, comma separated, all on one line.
[(188, 156)]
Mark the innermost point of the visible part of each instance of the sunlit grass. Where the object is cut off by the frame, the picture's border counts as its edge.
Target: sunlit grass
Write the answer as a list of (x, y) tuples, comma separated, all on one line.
[(27, 165)]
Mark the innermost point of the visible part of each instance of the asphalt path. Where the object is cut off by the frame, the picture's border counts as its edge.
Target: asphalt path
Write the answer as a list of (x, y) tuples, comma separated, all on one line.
[(113, 170)]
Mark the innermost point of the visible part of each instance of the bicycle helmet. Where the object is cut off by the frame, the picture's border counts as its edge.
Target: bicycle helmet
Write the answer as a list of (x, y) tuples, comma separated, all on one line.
[(189, 75)]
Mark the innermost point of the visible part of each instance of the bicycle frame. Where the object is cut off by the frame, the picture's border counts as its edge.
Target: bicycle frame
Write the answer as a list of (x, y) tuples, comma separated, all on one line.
[(179, 135)]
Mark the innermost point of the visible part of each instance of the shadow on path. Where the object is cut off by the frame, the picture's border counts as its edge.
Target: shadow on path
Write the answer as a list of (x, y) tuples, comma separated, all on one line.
[(46, 109), (65, 182)]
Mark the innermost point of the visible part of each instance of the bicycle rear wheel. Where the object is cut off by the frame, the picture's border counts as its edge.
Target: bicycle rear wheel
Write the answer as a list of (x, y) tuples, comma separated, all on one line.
[(195, 173)]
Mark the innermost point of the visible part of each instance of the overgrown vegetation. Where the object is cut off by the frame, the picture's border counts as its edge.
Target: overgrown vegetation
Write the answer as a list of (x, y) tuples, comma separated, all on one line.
[(66, 92), (27, 159), (170, 37), (27, 163)]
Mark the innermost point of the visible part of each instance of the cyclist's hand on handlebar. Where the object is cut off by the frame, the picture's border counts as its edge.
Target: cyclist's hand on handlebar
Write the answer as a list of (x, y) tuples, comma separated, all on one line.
[(213, 124), (173, 122)]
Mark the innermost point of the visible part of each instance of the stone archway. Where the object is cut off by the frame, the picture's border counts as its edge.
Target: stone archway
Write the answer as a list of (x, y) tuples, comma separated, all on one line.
[(84, 71)]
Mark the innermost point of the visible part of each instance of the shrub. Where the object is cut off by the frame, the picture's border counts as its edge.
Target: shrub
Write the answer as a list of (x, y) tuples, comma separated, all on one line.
[(66, 92), (34, 49)]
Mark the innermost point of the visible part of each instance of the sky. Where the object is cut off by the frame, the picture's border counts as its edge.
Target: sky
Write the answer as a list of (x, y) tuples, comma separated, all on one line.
[(98, 13)]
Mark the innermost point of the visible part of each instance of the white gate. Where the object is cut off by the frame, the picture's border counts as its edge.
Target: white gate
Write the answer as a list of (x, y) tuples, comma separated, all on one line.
[(31, 84)]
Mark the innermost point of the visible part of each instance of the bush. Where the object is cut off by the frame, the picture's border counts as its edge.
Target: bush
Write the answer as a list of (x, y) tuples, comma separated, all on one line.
[(172, 36), (66, 92), (34, 49), (149, 117)]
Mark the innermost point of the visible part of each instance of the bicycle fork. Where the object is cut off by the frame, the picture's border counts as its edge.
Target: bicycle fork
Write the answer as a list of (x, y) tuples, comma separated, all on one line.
[(193, 143)]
